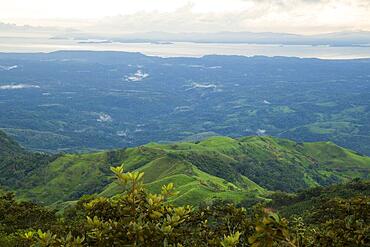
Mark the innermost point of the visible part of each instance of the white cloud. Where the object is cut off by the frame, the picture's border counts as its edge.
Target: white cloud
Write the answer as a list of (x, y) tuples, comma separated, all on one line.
[(4, 67), (104, 117), (297, 16), (120, 16), (17, 86), (196, 85), (139, 75), (85, 9), (261, 132)]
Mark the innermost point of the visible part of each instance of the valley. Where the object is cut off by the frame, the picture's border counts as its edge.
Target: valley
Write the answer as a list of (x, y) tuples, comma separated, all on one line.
[(81, 101)]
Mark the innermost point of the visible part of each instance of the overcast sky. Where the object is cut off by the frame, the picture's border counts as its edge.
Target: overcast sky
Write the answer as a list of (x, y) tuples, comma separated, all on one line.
[(112, 16)]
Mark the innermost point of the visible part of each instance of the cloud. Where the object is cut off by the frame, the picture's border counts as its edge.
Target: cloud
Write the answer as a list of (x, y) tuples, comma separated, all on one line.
[(295, 16), (196, 85), (11, 67), (104, 117), (17, 86), (137, 76), (261, 132)]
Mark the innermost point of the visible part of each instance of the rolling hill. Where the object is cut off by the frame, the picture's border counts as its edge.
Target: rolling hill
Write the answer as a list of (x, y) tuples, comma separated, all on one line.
[(203, 171)]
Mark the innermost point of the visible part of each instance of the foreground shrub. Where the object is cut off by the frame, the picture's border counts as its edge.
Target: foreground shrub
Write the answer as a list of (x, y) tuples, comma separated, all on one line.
[(138, 218)]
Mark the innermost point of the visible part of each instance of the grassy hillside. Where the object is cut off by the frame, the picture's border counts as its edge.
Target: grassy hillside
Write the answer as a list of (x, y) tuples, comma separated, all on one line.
[(215, 168), (194, 186)]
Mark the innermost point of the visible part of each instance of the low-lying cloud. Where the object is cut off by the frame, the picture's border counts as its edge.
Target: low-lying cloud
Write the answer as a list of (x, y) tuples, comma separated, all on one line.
[(17, 86), (139, 75), (11, 67)]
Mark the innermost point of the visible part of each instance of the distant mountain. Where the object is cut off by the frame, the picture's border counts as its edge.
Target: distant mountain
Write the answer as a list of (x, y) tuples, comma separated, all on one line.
[(12, 27), (28, 30), (203, 171), (346, 38), (343, 38)]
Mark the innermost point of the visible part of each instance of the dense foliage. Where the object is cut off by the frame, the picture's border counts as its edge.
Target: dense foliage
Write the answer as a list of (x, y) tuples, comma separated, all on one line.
[(139, 218), (18, 217), (17, 163), (304, 201), (340, 213)]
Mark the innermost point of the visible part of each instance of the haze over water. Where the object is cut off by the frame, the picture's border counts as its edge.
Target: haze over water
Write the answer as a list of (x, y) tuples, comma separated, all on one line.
[(185, 49)]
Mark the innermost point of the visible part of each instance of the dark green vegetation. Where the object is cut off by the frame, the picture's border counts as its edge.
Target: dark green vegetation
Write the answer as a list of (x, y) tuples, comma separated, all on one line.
[(93, 100), (141, 208), (218, 168), (16, 163), (337, 216), (304, 202), (16, 217)]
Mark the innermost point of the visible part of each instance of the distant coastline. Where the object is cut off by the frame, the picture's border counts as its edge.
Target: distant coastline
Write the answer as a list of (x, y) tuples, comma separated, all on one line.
[(182, 49)]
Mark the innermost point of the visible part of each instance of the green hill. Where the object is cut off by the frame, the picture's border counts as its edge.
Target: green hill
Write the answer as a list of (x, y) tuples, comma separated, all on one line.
[(305, 202), (16, 163), (215, 168), (7, 145)]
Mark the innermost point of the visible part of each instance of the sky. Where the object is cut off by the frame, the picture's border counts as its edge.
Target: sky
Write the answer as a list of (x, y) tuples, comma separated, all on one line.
[(127, 16)]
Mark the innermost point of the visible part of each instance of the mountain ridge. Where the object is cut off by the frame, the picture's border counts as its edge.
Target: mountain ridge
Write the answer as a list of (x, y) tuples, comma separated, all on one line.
[(217, 168), (343, 38)]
